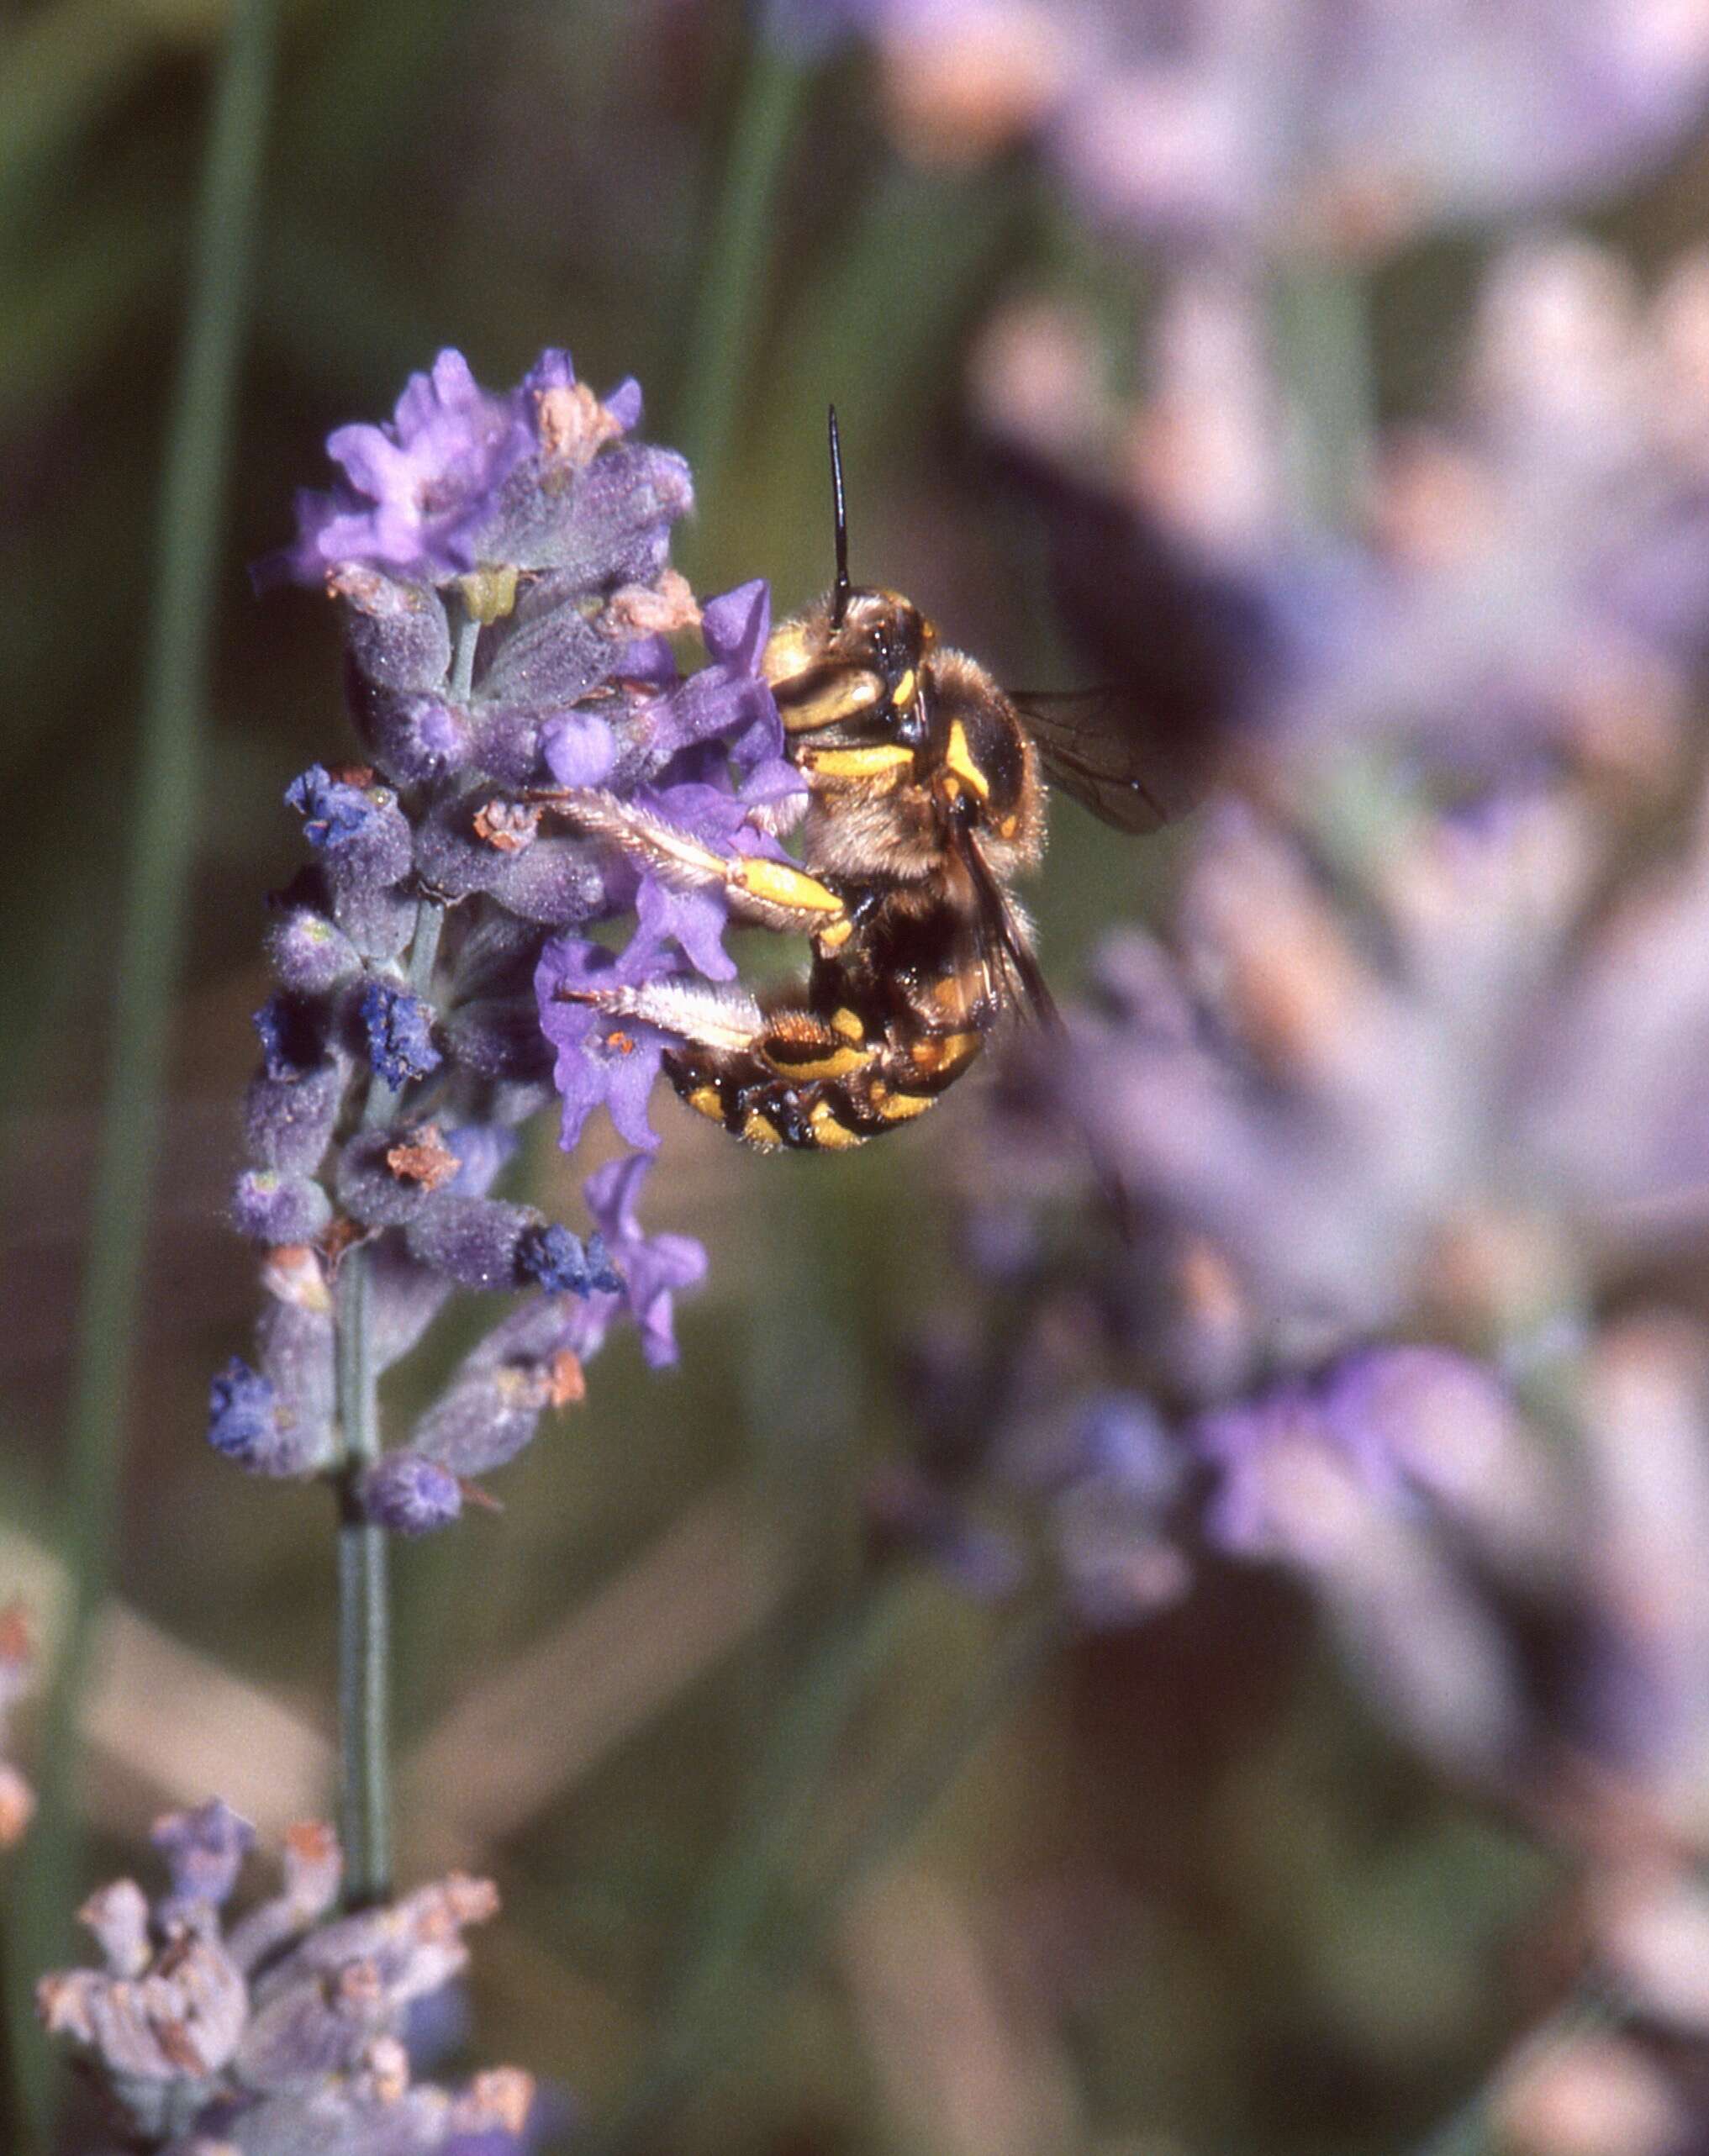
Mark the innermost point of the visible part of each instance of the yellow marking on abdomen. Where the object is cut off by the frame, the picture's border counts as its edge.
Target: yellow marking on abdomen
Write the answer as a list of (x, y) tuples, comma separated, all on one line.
[(828, 1133), (781, 885), (760, 1129), (901, 1107), (960, 759), (903, 694), (889, 757), (838, 1062), (943, 1051)]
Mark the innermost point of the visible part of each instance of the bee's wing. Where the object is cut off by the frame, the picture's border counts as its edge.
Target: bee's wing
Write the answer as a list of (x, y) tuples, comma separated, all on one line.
[(1096, 745), (1013, 979)]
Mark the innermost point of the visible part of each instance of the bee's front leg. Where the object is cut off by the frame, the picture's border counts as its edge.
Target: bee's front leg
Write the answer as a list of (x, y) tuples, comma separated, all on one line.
[(772, 894)]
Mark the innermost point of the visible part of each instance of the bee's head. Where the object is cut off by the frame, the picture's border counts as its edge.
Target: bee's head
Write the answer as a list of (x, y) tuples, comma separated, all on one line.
[(853, 681), (847, 671)]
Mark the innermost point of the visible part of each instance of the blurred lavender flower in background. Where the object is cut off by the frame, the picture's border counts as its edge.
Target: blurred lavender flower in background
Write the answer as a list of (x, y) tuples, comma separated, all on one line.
[(1405, 1106), (280, 2030), (502, 566), (1525, 575), (1295, 124)]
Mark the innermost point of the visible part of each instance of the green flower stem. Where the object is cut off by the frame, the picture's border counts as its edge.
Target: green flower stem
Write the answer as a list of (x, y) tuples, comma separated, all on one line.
[(364, 1626), (365, 1799), (730, 2016), (164, 822), (462, 665), (364, 1630), (731, 305)]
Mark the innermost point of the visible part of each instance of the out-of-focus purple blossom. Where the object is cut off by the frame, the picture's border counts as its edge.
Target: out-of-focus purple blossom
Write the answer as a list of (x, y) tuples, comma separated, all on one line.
[(281, 2031), (17, 1674), (1459, 1092), (1528, 576), (1295, 124)]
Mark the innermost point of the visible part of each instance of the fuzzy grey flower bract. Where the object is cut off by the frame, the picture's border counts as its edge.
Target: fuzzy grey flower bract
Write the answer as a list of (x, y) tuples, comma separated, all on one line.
[(502, 566), (282, 2030)]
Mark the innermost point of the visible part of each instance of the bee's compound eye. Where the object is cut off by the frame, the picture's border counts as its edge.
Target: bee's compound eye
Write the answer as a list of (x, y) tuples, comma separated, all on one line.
[(827, 694)]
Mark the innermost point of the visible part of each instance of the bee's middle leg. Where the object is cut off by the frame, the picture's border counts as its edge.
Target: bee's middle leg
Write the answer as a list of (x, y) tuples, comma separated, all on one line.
[(770, 894)]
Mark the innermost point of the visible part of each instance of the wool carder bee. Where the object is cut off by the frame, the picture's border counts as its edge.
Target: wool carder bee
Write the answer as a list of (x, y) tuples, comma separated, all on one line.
[(926, 798)]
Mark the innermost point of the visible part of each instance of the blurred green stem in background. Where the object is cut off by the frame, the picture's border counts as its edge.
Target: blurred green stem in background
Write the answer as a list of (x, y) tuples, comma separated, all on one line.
[(144, 974), (724, 2009), (1476, 2129), (1320, 317), (737, 260), (786, 1785)]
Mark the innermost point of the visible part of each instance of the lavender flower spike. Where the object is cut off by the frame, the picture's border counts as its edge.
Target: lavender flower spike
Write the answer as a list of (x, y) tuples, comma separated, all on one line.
[(281, 2031), (501, 562)]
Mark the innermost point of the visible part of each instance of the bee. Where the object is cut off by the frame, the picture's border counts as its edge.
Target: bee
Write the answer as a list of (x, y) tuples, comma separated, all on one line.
[(927, 791)]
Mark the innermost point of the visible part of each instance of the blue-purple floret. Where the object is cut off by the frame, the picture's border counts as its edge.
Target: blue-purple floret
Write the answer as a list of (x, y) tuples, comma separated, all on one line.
[(241, 1413), (563, 1265), (333, 812), (399, 1029), (501, 562)]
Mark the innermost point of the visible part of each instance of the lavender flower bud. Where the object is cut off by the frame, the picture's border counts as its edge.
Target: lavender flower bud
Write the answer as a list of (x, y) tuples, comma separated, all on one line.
[(308, 956), (385, 1178), (413, 735), (356, 827), (475, 1242), (277, 1422), (499, 1036), (552, 882), (550, 655), (551, 1256), (379, 923), (243, 1415), (288, 1121), (274, 1209), (410, 1494), (492, 1411), (397, 633), (204, 1850)]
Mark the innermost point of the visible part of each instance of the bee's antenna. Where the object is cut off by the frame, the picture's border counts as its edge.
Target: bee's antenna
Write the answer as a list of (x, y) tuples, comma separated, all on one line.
[(839, 606)]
